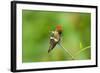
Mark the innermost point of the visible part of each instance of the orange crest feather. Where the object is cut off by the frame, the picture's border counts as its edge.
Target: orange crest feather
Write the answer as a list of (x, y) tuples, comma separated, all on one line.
[(58, 27)]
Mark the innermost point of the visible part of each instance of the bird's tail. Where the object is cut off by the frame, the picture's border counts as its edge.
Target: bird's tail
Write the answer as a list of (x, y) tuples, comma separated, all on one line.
[(49, 49)]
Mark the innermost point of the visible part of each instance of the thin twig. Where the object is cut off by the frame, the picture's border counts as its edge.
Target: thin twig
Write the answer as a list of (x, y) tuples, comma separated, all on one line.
[(66, 50)]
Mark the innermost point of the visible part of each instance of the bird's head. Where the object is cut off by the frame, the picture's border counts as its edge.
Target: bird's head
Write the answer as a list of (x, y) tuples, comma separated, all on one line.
[(59, 29)]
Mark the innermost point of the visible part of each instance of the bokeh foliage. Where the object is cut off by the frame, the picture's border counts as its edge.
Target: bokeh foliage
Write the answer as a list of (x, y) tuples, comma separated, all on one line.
[(36, 27)]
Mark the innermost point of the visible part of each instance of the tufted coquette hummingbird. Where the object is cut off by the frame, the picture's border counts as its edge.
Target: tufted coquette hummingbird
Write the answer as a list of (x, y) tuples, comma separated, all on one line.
[(55, 37)]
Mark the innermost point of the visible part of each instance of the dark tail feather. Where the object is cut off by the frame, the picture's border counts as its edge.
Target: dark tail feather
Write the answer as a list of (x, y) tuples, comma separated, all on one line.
[(51, 47), (49, 50)]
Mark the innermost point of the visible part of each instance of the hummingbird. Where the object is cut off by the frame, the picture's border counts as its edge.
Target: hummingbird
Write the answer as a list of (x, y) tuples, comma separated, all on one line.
[(55, 37)]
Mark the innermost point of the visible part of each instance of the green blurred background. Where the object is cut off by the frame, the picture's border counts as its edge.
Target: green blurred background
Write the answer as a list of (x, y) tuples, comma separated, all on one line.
[(36, 27)]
